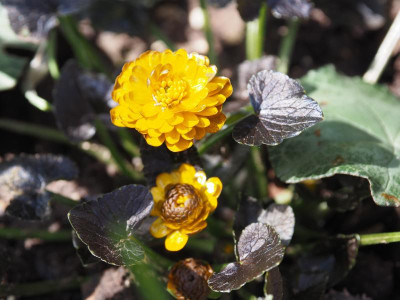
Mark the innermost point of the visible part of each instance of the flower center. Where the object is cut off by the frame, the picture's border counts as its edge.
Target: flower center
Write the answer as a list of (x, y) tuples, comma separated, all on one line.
[(171, 92), (180, 201)]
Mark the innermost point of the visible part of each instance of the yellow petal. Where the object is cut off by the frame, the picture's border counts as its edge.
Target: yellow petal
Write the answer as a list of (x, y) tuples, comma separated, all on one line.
[(123, 117), (203, 122), (190, 135), (183, 129), (187, 173), (163, 180), (175, 241), (190, 119), (158, 229), (199, 226), (213, 186), (200, 133), (157, 193), (172, 137), (166, 128), (155, 141), (180, 146), (217, 122), (200, 177), (209, 111), (153, 132), (176, 119)]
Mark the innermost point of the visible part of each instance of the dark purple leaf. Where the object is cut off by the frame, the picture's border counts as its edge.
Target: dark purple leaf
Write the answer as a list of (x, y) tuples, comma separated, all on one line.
[(107, 225), (23, 180), (282, 110), (273, 284), (259, 250), (289, 9)]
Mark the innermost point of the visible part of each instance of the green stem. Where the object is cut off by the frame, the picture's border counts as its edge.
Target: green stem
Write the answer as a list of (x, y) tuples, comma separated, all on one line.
[(57, 198), (209, 34), (379, 238), (260, 172), (157, 32), (216, 137), (287, 45), (41, 288), (21, 234), (128, 143), (52, 55), (97, 151), (37, 131), (255, 33), (122, 164), (84, 51)]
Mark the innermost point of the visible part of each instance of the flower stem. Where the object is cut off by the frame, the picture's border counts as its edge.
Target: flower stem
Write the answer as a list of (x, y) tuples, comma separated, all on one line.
[(209, 34), (52, 55), (42, 287), (123, 165), (260, 172), (213, 139), (128, 143), (57, 198), (379, 238), (287, 45), (84, 51), (255, 32), (384, 52), (21, 234), (97, 151)]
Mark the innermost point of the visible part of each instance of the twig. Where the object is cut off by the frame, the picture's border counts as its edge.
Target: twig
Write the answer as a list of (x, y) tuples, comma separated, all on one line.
[(384, 52)]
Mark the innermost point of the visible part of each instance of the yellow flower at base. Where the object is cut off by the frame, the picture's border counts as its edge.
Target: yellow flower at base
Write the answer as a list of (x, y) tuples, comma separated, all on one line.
[(183, 199), (171, 97)]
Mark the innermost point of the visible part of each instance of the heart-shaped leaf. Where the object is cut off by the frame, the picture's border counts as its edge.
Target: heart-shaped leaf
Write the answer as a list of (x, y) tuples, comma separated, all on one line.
[(107, 225), (360, 136), (74, 114), (289, 9), (280, 217), (333, 259), (23, 180), (273, 284), (37, 17), (259, 250), (282, 110)]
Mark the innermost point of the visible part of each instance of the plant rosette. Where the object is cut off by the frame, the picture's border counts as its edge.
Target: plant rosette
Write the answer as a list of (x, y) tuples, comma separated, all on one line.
[(183, 199)]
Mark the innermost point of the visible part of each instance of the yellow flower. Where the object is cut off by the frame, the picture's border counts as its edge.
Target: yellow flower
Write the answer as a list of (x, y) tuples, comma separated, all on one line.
[(183, 199), (171, 97)]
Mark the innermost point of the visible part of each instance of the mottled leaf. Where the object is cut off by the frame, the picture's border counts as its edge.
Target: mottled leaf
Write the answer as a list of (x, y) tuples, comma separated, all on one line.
[(23, 180), (282, 110), (157, 160), (107, 225), (36, 18), (279, 216), (259, 250), (73, 113), (360, 136), (273, 284), (289, 9)]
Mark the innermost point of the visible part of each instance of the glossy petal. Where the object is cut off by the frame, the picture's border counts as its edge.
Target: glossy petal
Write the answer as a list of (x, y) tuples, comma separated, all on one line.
[(158, 229), (175, 241)]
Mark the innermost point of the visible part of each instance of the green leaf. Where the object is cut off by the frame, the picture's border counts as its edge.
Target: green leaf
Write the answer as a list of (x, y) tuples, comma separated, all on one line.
[(11, 66), (360, 136), (107, 225)]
